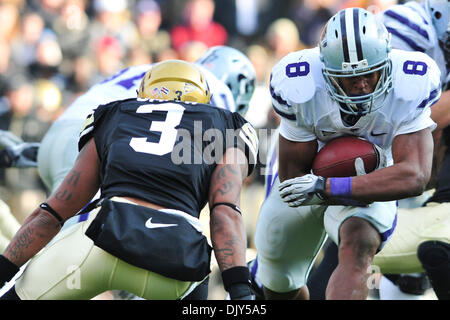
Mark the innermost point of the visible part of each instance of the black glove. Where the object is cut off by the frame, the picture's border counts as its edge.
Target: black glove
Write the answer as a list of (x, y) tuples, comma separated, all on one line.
[(241, 291), (237, 282), (7, 270)]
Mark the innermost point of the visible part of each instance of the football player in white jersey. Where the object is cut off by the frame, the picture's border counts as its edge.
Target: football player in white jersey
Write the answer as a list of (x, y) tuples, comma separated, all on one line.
[(421, 241), (352, 84)]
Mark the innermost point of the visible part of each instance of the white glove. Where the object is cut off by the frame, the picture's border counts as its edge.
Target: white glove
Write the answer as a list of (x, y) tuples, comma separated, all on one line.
[(8, 139), (382, 161), (22, 155), (303, 191)]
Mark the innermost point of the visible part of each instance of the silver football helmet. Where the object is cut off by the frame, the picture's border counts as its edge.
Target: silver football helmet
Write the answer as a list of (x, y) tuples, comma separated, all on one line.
[(234, 69), (439, 11), (354, 43)]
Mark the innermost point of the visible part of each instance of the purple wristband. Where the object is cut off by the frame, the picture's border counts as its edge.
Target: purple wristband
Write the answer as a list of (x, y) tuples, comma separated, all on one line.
[(341, 187)]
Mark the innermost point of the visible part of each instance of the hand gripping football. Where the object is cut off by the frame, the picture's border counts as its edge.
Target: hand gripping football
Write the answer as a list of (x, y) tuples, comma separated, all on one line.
[(337, 157)]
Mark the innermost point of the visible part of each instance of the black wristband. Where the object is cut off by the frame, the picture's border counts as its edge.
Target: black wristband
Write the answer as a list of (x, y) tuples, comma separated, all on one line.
[(235, 275), (7, 270), (45, 206), (241, 291), (231, 205)]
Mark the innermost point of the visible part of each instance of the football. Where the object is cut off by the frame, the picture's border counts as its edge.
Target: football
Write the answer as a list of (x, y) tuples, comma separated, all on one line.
[(337, 157)]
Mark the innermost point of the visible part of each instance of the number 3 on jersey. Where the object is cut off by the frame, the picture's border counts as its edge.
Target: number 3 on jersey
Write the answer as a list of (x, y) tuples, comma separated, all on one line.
[(166, 127)]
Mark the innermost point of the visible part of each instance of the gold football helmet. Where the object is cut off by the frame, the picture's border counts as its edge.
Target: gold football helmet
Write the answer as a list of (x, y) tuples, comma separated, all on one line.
[(175, 80)]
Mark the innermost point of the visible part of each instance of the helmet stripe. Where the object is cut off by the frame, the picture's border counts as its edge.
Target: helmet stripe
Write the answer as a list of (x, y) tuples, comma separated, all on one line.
[(344, 37), (359, 51), (351, 39)]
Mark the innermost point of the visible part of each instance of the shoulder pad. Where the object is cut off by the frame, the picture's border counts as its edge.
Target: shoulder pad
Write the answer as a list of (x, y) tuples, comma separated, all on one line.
[(410, 27), (415, 75), (294, 78)]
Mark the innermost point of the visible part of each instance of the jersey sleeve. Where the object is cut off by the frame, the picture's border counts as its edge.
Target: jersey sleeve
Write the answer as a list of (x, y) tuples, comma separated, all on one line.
[(292, 83), (247, 140), (419, 84), (409, 26), (91, 124)]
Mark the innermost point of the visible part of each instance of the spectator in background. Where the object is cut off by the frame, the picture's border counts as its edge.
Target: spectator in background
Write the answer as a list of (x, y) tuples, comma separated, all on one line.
[(246, 20), (72, 29), (24, 46), (80, 78), (138, 55), (48, 57), (283, 37), (148, 20), (199, 26), (113, 18), (49, 10), (310, 16), (191, 51), (9, 17), (5, 66), (109, 54)]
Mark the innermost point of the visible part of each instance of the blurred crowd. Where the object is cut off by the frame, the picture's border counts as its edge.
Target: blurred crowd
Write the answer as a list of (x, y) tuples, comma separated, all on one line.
[(51, 51)]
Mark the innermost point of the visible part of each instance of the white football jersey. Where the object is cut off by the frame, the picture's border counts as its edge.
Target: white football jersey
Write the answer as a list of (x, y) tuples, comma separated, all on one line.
[(412, 30), (307, 112), (125, 84)]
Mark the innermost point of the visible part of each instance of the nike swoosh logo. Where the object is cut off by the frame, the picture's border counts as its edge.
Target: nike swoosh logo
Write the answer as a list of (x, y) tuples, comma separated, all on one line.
[(378, 134), (149, 224)]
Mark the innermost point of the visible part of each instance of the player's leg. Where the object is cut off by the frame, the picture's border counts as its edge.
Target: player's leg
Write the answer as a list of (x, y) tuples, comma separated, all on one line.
[(360, 232), (358, 244), (415, 226), (318, 279), (74, 268), (287, 241)]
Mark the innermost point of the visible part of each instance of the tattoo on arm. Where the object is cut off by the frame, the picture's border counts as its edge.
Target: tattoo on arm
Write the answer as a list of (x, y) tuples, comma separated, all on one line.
[(222, 176), (23, 240), (225, 254), (72, 181)]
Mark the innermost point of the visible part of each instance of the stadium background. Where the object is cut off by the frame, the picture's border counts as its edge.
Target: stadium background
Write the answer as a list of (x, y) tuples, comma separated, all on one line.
[(51, 51)]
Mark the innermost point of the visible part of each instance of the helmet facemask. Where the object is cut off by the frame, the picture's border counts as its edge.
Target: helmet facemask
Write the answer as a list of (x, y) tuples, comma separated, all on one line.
[(360, 104)]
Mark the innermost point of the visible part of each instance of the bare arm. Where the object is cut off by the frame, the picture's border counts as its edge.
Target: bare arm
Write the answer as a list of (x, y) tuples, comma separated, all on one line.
[(77, 189), (227, 228), (295, 158)]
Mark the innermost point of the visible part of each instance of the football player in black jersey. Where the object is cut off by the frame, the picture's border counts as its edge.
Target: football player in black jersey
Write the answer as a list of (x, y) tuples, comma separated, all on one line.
[(157, 159)]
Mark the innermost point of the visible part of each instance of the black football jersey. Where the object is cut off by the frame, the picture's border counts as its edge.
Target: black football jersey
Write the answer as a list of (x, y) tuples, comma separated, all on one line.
[(164, 152)]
